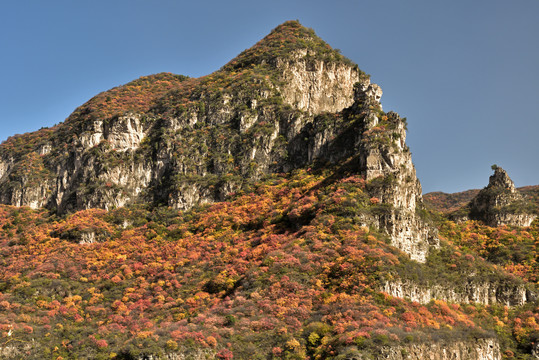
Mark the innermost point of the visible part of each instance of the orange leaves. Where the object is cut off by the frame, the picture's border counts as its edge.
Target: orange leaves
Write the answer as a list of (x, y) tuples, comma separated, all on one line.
[(116, 279), (18, 145), (136, 96), (513, 249), (84, 222), (4, 305), (262, 265)]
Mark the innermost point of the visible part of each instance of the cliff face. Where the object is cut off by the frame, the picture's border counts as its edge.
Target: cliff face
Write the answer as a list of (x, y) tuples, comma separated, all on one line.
[(481, 349), (316, 86), (386, 161), (180, 142), (500, 203), (481, 292)]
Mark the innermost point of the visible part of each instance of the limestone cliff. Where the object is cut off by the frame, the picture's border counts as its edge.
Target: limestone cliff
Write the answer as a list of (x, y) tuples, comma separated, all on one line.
[(481, 349), (481, 292), (500, 203), (288, 102), (387, 163)]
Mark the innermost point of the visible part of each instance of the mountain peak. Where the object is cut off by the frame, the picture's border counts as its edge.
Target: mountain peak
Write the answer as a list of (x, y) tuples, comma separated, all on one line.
[(283, 42), (501, 179)]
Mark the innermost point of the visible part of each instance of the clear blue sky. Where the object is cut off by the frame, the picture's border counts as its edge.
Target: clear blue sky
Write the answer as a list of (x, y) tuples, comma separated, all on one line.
[(464, 73)]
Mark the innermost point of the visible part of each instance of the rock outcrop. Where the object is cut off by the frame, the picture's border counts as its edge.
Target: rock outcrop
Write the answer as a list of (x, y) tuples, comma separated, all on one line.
[(500, 203), (482, 292), (288, 102), (387, 163), (480, 349), (316, 86)]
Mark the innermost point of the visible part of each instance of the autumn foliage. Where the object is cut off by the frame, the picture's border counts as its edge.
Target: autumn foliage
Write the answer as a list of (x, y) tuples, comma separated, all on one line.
[(278, 270)]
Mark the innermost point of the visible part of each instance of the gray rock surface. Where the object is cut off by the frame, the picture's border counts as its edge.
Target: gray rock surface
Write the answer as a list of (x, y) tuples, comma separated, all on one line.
[(482, 292)]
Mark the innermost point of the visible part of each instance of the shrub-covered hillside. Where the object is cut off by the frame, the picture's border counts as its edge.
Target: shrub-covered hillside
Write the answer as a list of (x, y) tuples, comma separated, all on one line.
[(283, 270)]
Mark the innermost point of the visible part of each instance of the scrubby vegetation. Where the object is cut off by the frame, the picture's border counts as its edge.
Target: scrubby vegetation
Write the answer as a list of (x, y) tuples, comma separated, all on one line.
[(136, 96), (282, 43), (282, 270), (447, 203)]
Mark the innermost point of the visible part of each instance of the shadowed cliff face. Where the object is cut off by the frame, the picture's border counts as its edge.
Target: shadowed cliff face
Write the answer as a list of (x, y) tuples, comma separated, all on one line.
[(290, 101)]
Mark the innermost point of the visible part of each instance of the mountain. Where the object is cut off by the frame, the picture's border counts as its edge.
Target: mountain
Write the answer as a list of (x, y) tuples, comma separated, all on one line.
[(288, 102), (177, 141), (269, 210)]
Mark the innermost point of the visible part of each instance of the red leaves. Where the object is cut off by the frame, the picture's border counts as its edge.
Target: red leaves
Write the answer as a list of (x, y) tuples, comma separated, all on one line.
[(409, 318), (137, 96), (28, 329), (225, 354), (102, 343), (232, 270)]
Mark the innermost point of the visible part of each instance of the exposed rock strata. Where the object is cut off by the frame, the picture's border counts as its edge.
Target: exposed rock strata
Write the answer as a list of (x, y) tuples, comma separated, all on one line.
[(481, 292), (316, 86), (481, 349)]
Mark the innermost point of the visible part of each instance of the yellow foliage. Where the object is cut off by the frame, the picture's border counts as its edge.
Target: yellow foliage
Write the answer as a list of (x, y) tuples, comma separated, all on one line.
[(293, 344)]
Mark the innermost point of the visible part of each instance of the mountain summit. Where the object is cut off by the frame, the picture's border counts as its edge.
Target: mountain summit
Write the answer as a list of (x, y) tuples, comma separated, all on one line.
[(285, 42), (500, 179)]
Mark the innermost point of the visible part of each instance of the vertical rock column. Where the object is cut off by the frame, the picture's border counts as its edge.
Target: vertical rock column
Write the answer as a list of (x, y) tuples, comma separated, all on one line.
[(390, 173)]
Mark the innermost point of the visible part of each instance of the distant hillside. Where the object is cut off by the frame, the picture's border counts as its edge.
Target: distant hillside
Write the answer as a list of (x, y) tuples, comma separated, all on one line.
[(446, 203), (531, 192)]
